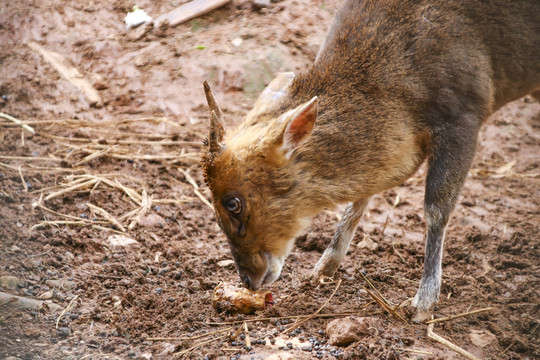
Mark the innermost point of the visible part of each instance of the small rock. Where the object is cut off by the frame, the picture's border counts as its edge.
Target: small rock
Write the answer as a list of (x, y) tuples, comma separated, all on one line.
[(342, 332), (150, 220), (46, 295), (367, 243), (63, 331), (15, 248), (261, 4), (237, 41), (225, 263), (120, 240), (482, 338), (10, 282), (61, 284), (307, 348)]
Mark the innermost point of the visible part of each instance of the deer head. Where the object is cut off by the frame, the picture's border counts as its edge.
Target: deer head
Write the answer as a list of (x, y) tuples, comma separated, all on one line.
[(258, 198)]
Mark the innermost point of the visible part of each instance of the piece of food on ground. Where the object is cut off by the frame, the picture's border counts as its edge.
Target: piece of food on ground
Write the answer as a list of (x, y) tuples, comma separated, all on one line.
[(235, 299)]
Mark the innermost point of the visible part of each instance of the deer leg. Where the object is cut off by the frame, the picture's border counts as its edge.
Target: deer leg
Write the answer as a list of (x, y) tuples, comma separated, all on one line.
[(448, 165), (337, 249)]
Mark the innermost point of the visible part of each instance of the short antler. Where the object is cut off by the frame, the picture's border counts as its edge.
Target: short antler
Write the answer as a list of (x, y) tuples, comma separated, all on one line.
[(216, 119)]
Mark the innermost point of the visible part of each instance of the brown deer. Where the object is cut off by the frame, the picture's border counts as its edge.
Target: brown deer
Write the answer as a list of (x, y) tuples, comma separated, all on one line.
[(396, 82)]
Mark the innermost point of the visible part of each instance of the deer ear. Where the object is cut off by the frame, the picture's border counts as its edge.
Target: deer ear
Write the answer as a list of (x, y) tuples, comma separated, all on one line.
[(299, 126)]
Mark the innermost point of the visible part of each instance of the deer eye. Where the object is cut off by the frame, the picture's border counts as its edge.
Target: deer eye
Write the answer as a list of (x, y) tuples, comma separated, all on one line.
[(233, 204)]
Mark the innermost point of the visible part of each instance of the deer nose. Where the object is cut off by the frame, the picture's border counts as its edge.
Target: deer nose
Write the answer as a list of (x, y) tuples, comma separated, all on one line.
[(246, 281)]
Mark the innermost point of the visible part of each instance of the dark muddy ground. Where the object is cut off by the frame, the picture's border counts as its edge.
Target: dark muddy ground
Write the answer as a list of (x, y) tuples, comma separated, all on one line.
[(116, 297)]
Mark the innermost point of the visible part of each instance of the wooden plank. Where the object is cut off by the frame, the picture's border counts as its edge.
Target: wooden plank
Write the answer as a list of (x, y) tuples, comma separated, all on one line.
[(189, 11), (69, 72)]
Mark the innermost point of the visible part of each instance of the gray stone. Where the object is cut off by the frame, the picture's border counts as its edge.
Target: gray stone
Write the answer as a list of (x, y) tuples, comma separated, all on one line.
[(10, 282)]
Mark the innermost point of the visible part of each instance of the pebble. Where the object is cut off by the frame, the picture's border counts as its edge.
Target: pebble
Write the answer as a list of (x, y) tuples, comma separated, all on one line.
[(289, 345), (10, 282), (171, 299), (261, 4), (177, 275), (131, 354), (307, 348), (158, 290), (63, 331)]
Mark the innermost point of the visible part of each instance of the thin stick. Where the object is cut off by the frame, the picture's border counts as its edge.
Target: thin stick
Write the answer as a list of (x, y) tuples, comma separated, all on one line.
[(22, 179), (66, 309), (68, 216), (70, 73), (452, 317), (107, 216), (200, 344), (292, 317), (93, 156), (29, 158), (415, 351), (385, 305), (448, 344), (56, 223), (17, 121), (248, 340), (189, 338), (196, 188), (373, 287), (299, 323), (71, 188)]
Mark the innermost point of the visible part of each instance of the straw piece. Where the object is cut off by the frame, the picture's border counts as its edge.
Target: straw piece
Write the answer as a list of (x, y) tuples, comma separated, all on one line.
[(146, 203), (71, 188), (246, 331), (93, 156), (56, 223), (25, 186), (107, 216), (189, 338), (39, 205), (29, 158), (199, 345), (421, 352), (70, 73), (66, 309), (299, 323), (448, 344), (452, 317), (196, 188), (18, 122)]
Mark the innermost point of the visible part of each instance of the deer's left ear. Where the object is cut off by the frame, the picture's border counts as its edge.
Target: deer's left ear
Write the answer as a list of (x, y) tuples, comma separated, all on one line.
[(299, 126)]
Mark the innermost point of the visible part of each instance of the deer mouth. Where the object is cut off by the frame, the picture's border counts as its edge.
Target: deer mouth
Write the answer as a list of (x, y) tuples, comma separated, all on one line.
[(275, 264)]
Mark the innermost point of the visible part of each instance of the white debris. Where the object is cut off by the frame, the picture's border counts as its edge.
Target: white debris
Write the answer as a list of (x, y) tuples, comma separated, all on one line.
[(136, 17), (120, 240), (237, 41)]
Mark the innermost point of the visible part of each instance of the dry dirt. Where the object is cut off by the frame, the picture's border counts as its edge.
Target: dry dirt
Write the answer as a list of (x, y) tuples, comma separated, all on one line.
[(115, 298)]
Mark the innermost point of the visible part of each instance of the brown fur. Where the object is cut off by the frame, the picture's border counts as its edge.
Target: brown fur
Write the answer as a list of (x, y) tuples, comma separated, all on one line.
[(397, 82)]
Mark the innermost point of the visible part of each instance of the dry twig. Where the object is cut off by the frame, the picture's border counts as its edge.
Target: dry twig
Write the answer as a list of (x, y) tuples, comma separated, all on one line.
[(452, 317), (66, 309), (449, 344), (18, 122), (307, 318)]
